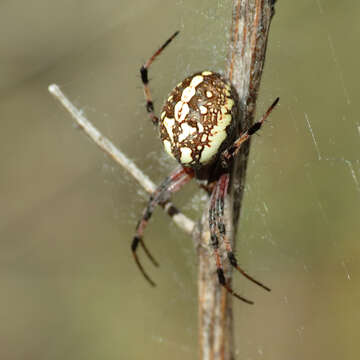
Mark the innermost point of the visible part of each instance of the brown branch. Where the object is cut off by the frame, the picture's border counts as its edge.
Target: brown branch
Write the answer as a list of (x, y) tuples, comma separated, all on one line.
[(249, 33)]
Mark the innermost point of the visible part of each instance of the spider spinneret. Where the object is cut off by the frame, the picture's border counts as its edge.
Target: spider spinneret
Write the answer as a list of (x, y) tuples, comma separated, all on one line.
[(198, 127)]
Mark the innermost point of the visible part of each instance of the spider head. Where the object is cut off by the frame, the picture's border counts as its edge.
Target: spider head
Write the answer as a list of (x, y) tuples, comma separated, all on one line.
[(197, 119)]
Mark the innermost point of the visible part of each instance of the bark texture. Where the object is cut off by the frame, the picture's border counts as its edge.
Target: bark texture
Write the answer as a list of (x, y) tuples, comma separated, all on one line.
[(248, 39)]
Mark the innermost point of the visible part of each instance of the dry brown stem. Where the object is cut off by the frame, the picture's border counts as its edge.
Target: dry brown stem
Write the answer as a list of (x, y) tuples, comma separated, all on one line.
[(249, 33)]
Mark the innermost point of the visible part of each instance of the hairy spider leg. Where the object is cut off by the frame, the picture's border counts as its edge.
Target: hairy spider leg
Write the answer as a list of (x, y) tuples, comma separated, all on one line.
[(234, 148), (145, 80), (161, 195), (220, 202), (214, 240)]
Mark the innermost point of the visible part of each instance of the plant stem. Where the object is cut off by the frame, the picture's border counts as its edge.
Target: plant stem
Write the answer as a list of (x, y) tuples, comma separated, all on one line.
[(249, 33)]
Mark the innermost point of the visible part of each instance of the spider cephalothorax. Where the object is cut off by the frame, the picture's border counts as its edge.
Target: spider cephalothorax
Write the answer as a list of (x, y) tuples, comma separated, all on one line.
[(198, 125)]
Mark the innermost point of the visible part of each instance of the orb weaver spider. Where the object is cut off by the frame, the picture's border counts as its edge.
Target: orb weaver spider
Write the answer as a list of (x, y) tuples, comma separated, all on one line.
[(197, 127)]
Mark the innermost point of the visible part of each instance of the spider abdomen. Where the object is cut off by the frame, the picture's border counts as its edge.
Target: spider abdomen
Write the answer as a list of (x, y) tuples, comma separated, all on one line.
[(197, 118)]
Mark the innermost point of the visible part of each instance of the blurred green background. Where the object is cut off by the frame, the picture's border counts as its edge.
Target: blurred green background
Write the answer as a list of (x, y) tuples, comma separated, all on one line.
[(69, 286)]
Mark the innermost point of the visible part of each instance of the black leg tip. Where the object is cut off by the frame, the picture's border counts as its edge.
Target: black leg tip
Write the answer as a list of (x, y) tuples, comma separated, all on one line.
[(135, 243), (275, 102)]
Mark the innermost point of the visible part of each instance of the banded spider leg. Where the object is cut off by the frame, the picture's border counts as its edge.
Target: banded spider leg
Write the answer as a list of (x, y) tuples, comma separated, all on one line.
[(170, 185), (145, 79), (218, 234)]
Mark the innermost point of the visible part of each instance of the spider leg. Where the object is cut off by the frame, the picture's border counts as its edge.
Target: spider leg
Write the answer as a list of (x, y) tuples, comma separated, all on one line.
[(234, 148), (145, 80), (208, 187), (170, 185), (220, 199), (213, 223)]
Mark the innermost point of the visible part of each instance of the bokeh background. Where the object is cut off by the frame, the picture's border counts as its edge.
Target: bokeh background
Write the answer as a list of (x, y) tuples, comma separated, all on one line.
[(69, 286)]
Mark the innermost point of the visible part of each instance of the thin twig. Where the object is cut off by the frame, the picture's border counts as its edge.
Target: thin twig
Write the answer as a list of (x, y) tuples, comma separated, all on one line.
[(249, 34), (110, 149)]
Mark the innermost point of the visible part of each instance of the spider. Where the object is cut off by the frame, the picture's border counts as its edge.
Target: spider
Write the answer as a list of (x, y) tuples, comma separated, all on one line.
[(197, 127)]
